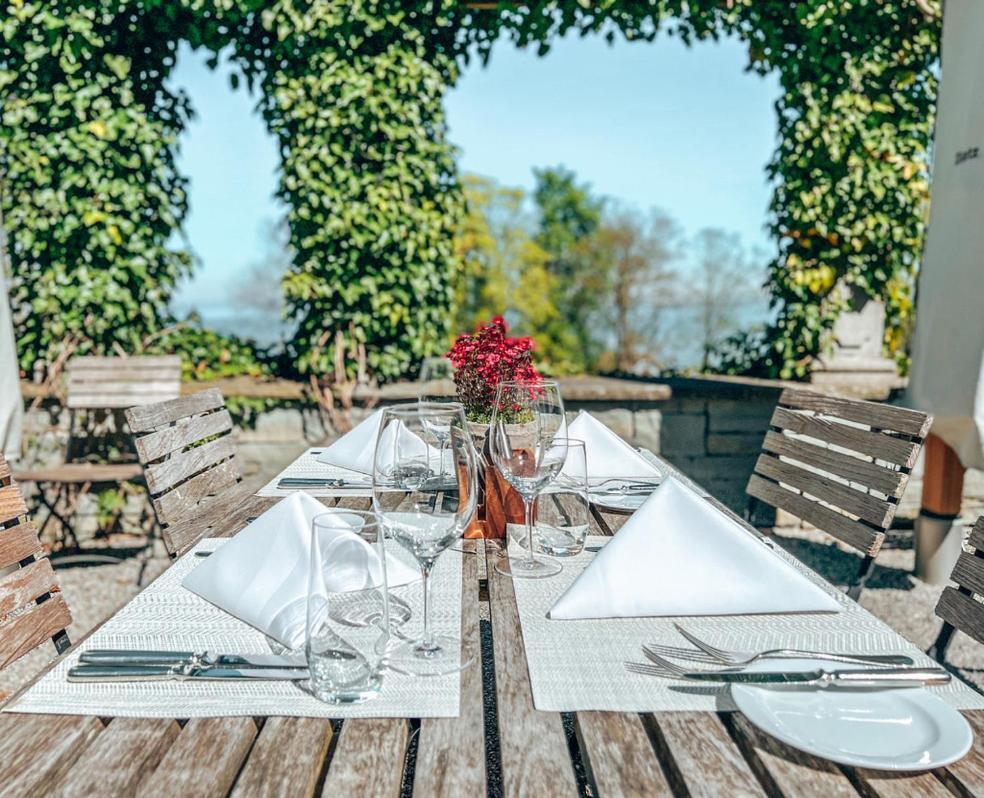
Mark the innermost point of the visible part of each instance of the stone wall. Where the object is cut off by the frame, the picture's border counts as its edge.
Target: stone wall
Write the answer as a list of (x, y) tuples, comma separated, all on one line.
[(710, 428)]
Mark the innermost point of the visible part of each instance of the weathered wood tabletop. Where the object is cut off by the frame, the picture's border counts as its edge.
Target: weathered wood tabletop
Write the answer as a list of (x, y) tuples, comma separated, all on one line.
[(499, 744)]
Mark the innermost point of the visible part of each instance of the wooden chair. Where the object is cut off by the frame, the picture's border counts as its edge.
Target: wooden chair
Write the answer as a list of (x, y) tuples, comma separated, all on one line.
[(960, 607), (32, 608), (189, 459), (99, 384), (840, 465)]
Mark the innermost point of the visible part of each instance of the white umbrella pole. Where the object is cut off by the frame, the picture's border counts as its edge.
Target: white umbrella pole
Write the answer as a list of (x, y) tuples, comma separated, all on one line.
[(11, 402)]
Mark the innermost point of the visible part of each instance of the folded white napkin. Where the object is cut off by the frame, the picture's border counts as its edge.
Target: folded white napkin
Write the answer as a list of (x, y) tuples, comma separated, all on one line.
[(261, 575), (356, 449), (678, 555), (607, 454)]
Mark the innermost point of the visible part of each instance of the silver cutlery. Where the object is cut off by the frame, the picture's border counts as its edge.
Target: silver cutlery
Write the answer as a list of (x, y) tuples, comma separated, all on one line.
[(180, 673), (884, 678), (623, 489), (311, 482), (201, 659), (665, 667), (736, 658), (648, 483)]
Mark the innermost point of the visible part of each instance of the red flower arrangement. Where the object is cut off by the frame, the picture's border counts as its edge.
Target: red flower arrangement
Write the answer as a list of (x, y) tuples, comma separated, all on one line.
[(485, 358)]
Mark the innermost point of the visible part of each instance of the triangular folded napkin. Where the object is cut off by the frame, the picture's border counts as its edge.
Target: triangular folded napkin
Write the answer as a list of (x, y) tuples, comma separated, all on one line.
[(261, 575), (356, 449), (678, 555), (607, 454)]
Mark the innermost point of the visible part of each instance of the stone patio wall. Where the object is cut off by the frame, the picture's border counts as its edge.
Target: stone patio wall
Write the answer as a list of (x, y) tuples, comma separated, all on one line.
[(710, 428)]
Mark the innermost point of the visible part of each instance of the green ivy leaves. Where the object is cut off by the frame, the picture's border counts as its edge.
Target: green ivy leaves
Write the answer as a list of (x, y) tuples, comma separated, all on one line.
[(353, 92)]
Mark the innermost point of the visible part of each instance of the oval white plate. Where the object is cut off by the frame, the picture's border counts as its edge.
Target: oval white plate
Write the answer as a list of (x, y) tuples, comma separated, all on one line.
[(904, 729)]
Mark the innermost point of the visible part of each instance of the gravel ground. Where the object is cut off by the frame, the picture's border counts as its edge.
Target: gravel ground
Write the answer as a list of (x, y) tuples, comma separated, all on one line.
[(893, 594)]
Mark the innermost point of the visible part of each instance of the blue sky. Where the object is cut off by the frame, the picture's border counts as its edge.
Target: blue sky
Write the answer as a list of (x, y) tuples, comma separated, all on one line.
[(650, 124)]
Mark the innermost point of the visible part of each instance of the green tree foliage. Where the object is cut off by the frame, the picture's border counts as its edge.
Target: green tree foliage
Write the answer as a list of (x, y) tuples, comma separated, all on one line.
[(353, 92), (491, 245), (568, 215)]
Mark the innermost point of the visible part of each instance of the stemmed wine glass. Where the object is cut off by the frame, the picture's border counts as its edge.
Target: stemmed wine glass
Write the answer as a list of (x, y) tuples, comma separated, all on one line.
[(436, 388), (528, 445), (424, 516)]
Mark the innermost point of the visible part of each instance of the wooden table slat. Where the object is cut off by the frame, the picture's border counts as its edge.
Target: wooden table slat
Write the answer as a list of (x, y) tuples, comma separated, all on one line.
[(36, 751), (788, 770), (535, 757), (204, 760), (966, 776), (120, 758), (900, 785), (619, 755), (286, 759), (701, 757), (451, 751), (369, 758)]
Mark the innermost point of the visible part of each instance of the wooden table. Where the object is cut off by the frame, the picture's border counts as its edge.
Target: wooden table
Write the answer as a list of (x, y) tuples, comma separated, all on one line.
[(526, 752)]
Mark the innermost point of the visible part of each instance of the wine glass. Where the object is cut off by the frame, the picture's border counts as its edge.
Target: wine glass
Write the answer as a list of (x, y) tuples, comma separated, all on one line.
[(435, 373), (527, 442), (423, 516), (435, 387), (440, 428)]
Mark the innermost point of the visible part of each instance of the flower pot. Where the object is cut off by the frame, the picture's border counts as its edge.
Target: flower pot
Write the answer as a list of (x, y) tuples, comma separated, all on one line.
[(498, 502)]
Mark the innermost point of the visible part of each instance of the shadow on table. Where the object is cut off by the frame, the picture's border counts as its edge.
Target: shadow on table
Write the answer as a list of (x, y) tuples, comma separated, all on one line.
[(840, 567)]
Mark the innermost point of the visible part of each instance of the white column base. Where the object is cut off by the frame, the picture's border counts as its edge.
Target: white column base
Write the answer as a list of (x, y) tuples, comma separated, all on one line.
[(938, 545)]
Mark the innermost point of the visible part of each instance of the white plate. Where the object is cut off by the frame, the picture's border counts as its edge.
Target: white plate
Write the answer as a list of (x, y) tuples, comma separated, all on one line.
[(903, 729)]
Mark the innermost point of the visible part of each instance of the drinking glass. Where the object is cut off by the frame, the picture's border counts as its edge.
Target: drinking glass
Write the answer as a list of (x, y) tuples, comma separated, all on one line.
[(439, 427), (562, 512), (528, 446), (436, 368), (346, 663), (424, 516)]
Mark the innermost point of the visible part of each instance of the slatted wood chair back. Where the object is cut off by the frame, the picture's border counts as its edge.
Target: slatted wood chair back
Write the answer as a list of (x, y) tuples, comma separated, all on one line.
[(189, 459), (840, 465), (960, 607), (32, 608), (121, 382)]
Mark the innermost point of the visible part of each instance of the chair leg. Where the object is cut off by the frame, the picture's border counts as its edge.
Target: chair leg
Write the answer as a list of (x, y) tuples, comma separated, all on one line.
[(938, 650), (867, 565)]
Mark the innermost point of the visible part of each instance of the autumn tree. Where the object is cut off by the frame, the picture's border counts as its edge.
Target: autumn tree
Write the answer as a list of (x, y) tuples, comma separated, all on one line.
[(632, 255)]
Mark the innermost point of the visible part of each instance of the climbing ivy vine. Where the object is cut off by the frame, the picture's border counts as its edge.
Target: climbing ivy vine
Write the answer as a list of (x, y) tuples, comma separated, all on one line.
[(353, 92)]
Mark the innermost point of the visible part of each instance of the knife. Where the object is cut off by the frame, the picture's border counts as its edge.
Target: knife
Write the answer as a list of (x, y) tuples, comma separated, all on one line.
[(308, 482), (180, 673), (871, 677), (205, 659)]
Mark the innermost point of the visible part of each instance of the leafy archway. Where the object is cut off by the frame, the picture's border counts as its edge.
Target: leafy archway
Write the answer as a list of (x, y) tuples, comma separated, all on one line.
[(353, 91)]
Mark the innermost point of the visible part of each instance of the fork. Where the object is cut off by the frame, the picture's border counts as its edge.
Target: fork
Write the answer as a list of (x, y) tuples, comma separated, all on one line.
[(647, 669), (740, 658)]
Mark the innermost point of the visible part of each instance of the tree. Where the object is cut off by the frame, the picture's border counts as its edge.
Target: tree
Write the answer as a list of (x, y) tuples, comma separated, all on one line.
[(487, 244), (724, 278), (569, 214), (260, 291), (631, 255)]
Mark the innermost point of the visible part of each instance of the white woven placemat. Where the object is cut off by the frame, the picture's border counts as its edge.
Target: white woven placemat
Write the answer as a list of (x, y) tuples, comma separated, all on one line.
[(166, 616), (578, 665), (307, 467)]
